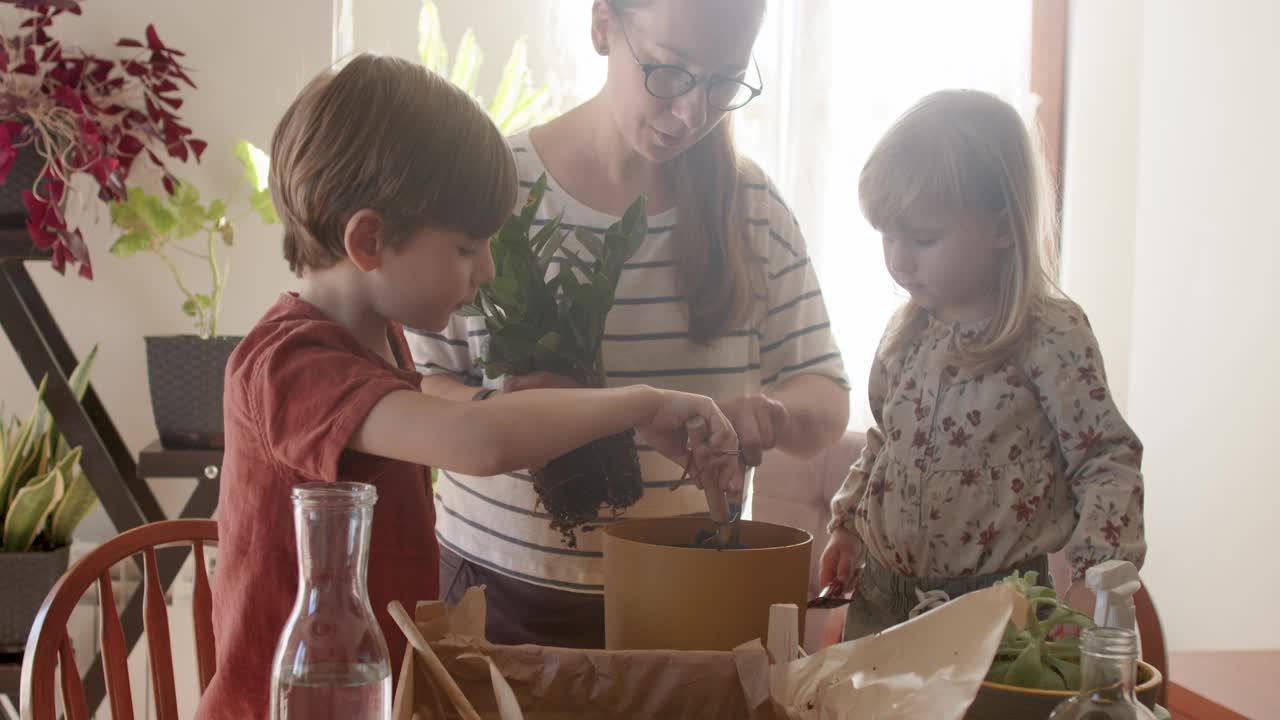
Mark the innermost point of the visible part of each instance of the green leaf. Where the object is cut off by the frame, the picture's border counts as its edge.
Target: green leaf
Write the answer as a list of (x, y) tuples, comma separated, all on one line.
[(1051, 680), (130, 243), (79, 382), (431, 48), (1069, 671), (575, 261), (156, 214), (530, 106), (466, 67), (190, 221), (30, 508), (256, 164), (1026, 671), (124, 215), (593, 244), (549, 250), (185, 195), (216, 211), (78, 500), (550, 341), (998, 670), (19, 450), (515, 77), (190, 308), (546, 235), (260, 201), (204, 301)]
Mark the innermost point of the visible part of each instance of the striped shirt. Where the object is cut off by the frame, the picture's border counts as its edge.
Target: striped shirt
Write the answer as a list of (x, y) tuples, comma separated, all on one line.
[(496, 522)]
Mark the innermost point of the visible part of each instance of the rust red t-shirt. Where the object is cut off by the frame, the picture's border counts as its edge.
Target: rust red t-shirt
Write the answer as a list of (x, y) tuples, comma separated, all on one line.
[(297, 388)]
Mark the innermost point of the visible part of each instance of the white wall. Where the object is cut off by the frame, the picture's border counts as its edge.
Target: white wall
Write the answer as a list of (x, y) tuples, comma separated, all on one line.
[(1100, 161), (1201, 250), (248, 59)]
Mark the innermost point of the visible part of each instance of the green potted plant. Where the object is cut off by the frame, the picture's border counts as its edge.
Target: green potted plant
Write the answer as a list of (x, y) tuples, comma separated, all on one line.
[(516, 104), (43, 497), (555, 323), (1036, 666), (185, 371), (66, 112)]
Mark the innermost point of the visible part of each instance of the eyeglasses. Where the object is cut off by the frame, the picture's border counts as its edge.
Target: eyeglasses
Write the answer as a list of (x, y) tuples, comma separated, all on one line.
[(666, 82)]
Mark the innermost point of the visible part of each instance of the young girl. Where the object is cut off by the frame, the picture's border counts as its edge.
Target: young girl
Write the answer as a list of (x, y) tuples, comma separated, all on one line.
[(996, 441)]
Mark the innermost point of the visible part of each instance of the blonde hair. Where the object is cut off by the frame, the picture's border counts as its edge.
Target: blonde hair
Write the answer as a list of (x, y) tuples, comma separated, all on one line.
[(970, 152), (389, 135), (714, 271)]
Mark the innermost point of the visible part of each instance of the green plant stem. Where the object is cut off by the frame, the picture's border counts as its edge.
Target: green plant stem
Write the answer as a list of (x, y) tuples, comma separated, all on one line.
[(192, 253), (177, 277), (216, 295)]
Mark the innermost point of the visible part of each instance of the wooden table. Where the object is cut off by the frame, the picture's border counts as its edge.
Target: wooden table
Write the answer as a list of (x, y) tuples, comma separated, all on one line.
[(1224, 684)]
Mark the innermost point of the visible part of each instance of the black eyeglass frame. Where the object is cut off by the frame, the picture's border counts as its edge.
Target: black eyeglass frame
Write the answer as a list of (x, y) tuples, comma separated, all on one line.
[(693, 80)]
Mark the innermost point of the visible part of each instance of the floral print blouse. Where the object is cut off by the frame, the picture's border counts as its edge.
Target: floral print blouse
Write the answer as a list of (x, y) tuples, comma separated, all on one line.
[(970, 473)]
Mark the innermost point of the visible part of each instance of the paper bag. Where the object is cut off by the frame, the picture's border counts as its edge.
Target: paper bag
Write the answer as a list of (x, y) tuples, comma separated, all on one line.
[(930, 667)]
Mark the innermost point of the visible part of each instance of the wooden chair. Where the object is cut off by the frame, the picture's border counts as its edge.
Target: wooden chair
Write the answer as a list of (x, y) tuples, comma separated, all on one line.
[(1151, 635), (49, 645)]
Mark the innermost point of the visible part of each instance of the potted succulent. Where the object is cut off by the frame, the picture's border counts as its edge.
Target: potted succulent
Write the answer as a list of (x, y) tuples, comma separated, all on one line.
[(43, 497), (555, 323), (185, 371), (1037, 666), (67, 112)]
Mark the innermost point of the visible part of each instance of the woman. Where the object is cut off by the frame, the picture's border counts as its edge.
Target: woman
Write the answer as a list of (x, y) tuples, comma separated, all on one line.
[(720, 299)]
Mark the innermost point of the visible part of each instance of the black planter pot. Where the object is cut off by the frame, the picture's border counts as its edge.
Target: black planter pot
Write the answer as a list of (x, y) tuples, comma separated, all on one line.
[(185, 374), (22, 175), (27, 578)]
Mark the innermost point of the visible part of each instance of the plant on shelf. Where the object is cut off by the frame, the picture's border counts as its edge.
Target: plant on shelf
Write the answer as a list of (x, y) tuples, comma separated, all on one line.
[(66, 112), (43, 497), (168, 225), (516, 104), (185, 371), (43, 492)]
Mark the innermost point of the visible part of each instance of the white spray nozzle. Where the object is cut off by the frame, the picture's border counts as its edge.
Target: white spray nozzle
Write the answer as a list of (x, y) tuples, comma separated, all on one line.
[(1114, 582)]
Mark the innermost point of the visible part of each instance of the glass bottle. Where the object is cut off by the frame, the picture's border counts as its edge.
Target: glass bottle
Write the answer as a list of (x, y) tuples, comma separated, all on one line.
[(1108, 676), (332, 661)]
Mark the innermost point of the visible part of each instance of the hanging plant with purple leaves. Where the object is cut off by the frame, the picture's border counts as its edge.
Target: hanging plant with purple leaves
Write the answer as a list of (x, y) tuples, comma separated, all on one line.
[(83, 113)]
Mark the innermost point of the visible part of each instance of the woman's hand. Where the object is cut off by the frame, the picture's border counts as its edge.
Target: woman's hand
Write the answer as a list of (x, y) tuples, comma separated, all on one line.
[(760, 422)]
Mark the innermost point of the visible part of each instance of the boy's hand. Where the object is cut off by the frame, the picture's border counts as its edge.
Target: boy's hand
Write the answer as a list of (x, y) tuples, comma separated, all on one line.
[(708, 446), (760, 422), (841, 560)]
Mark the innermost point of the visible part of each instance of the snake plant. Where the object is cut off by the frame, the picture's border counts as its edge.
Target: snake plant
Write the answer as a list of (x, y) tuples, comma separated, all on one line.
[(43, 492)]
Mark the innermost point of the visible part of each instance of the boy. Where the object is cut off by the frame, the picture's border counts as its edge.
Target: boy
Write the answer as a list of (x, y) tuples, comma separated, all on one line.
[(389, 182)]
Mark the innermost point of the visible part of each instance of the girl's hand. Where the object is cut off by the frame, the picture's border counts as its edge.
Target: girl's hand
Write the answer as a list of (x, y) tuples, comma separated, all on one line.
[(538, 381), (842, 560), (760, 422), (690, 430), (1080, 597)]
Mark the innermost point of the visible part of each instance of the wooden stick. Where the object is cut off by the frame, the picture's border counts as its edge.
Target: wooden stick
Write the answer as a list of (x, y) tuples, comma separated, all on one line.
[(428, 656)]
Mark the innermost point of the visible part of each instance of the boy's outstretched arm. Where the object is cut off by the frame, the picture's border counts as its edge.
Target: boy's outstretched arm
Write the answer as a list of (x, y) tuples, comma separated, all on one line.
[(520, 430)]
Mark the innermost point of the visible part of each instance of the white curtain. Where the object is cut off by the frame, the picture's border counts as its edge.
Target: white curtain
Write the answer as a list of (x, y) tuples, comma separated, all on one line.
[(836, 74)]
